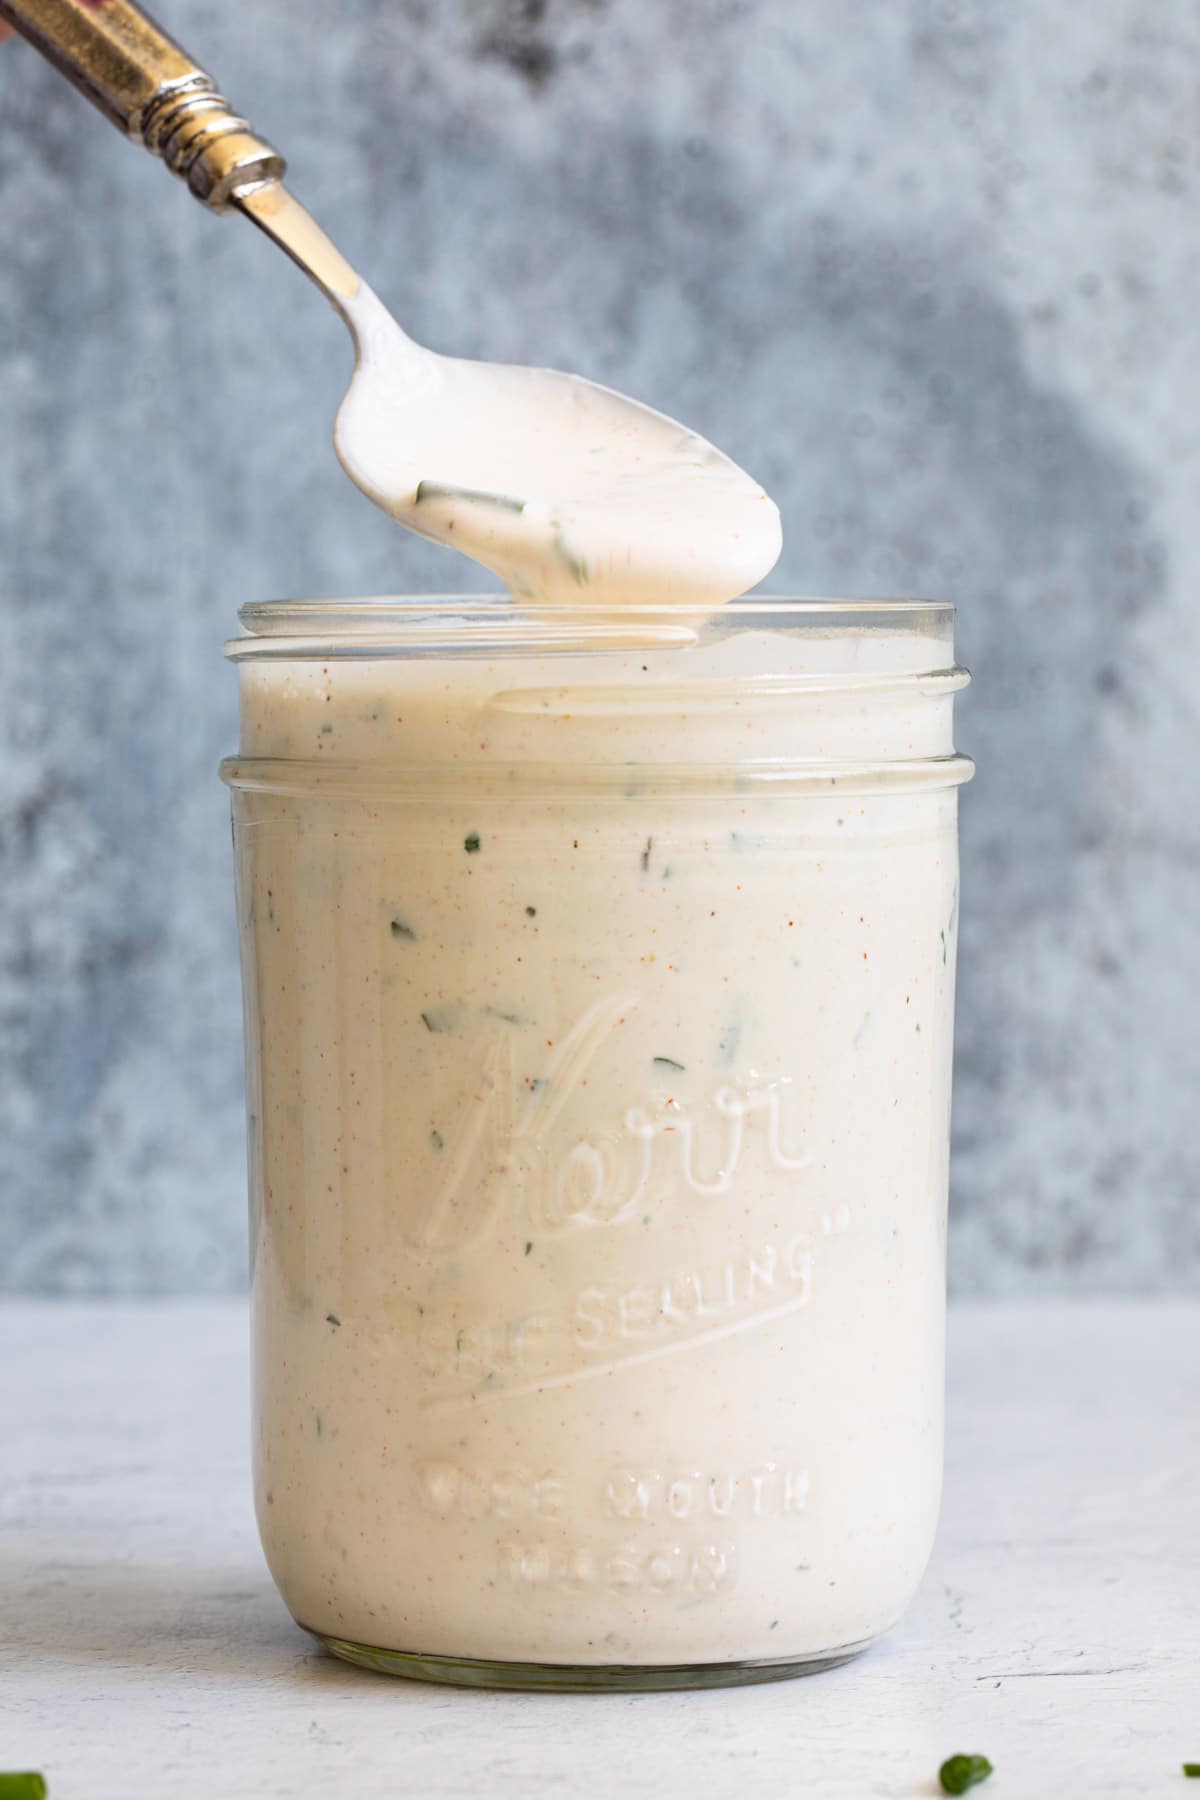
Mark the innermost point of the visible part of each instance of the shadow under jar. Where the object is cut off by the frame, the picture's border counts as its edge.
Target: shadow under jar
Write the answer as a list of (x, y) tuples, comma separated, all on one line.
[(599, 980)]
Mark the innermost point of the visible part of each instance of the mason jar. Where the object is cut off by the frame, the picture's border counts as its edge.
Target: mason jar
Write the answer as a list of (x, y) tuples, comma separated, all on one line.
[(599, 982)]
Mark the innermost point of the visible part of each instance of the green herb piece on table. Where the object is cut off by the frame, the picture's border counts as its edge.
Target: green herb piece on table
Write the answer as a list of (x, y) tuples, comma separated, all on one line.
[(471, 843), (668, 1062), (437, 1140), (401, 930), (29, 1786), (1192, 1770), (332, 1319), (958, 1773), (529, 1247)]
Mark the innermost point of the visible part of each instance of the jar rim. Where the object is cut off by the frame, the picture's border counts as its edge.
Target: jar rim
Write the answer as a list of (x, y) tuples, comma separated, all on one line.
[(384, 626)]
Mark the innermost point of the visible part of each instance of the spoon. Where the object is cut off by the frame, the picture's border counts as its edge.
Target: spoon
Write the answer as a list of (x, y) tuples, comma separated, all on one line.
[(568, 490)]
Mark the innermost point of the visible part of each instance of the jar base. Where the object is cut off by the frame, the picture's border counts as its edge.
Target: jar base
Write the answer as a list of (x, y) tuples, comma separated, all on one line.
[(579, 1678)]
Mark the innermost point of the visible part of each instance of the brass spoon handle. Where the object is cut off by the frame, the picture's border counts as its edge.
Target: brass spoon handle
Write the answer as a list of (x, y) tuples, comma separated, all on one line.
[(151, 90)]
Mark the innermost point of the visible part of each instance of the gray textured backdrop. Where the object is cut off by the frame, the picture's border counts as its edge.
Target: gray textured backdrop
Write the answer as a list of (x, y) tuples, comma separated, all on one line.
[(932, 271)]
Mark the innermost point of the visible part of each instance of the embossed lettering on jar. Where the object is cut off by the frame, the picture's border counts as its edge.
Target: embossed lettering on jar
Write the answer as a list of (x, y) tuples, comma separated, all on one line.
[(599, 990)]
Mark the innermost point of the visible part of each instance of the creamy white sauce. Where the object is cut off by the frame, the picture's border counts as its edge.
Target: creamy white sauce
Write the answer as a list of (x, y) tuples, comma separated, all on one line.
[(599, 1140), (599, 1128), (568, 491)]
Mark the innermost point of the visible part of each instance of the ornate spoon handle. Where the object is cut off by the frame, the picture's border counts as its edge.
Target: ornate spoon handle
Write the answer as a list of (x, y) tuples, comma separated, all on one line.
[(151, 90)]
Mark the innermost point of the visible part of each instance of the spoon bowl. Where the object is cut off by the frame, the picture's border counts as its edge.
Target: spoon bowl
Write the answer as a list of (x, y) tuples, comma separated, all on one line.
[(567, 490)]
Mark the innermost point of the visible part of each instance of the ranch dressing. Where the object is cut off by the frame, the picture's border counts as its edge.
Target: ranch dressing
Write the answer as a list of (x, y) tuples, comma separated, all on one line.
[(599, 1007), (568, 491)]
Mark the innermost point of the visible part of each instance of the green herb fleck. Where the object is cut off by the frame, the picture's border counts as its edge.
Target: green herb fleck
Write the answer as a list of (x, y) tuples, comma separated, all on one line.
[(1192, 1770), (958, 1773), (945, 952), (326, 729), (401, 930), (459, 1341), (437, 1140), (320, 1427), (577, 564), (31, 1786), (471, 843), (441, 1018), (529, 1247), (668, 1062), (531, 912), (437, 490), (332, 1319), (510, 1018)]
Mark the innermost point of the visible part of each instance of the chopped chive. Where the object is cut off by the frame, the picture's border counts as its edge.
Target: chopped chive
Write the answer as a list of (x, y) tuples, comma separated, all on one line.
[(958, 1773), (529, 1247), (401, 930), (668, 1062), (578, 565), (1192, 1770), (332, 1319), (442, 1018), (30, 1786), (437, 490), (437, 1140), (510, 1018), (471, 843), (459, 1341)]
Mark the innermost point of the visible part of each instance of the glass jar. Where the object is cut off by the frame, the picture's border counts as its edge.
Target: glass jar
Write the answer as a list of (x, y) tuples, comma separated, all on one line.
[(599, 978)]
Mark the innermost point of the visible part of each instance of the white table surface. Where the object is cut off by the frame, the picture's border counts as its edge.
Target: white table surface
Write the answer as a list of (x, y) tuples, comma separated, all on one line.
[(143, 1650)]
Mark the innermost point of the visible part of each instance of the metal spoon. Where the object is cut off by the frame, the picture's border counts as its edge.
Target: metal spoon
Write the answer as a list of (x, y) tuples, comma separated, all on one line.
[(566, 489)]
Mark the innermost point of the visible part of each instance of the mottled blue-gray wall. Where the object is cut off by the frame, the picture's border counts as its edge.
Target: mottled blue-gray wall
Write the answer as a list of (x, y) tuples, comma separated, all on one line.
[(931, 270)]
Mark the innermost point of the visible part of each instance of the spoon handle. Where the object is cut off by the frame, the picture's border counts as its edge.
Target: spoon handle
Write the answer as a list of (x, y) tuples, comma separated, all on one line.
[(151, 90)]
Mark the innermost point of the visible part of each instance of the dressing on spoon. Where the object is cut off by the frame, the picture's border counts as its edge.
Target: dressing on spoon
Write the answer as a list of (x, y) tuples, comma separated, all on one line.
[(568, 491)]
